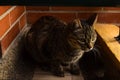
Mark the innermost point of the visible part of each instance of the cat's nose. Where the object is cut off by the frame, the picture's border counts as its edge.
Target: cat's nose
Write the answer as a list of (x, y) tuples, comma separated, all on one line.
[(90, 46), (89, 49)]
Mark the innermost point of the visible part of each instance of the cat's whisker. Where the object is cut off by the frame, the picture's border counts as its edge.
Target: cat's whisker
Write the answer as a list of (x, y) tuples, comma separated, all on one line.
[(95, 56), (96, 53)]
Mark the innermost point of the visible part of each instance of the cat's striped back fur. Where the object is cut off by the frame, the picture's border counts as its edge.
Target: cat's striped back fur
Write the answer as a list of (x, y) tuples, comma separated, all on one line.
[(53, 41)]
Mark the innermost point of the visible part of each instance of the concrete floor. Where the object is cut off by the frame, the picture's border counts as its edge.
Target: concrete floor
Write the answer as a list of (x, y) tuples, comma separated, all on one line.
[(42, 75)]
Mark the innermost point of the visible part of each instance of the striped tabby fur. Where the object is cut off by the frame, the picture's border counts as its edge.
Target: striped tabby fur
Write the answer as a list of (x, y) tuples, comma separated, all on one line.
[(56, 44)]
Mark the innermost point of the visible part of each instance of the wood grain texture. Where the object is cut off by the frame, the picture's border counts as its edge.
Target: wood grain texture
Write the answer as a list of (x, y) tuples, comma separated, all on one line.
[(107, 32)]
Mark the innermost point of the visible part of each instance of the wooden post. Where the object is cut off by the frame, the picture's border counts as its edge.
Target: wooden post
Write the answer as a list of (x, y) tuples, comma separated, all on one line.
[(107, 33)]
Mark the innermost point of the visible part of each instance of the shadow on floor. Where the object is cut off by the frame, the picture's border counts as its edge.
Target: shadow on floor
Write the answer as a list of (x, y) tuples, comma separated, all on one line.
[(94, 67)]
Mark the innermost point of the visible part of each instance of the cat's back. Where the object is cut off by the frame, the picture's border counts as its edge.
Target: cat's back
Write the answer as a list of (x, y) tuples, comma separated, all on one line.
[(46, 23), (42, 31)]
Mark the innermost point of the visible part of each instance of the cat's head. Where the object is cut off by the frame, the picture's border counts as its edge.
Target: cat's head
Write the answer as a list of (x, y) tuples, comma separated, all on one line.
[(82, 33)]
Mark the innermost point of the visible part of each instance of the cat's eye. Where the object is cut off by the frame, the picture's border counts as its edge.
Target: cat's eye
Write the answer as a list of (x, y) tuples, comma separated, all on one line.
[(93, 39)]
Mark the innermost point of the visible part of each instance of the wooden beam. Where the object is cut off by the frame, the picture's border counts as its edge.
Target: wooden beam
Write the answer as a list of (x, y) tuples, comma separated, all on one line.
[(106, 34)]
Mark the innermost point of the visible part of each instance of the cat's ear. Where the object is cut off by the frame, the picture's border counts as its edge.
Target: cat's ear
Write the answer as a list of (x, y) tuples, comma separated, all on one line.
[(77, 23), (92, 19)]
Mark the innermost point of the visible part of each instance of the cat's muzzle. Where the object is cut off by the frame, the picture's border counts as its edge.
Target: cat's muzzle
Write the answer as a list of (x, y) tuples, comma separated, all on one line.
[(88, 49)]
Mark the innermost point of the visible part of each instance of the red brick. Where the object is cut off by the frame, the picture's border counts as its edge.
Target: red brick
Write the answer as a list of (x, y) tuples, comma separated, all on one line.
[(36, 8), (84, 15), (109, 17), (5, 42), (4, 25), (103, 17), (0, 50), (16, 13), (75, 8), (3, 9), (22, 22), (112, 8), (32, 17)]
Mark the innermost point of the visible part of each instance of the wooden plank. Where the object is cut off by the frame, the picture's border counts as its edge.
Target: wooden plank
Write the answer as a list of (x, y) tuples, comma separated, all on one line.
[(107, 33)]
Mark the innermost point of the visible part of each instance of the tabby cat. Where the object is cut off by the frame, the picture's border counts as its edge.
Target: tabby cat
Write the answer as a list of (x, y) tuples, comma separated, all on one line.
[(57, 45)]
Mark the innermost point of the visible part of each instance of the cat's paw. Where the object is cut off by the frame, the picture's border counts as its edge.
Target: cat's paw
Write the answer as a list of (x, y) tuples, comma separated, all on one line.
[(59, 73), (75, 70), (57, 70)]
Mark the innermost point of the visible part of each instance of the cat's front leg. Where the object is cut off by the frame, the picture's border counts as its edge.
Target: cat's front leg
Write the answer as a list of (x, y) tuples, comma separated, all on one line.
[(74, 68), (57, 69)]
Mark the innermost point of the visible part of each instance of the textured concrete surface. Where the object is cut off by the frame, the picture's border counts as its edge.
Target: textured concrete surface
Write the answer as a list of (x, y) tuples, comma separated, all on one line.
[(15, 64)]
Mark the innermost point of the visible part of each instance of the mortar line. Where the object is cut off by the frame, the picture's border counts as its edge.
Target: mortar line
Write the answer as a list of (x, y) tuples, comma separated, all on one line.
[(7, 12), (73, 11), (11, 26)]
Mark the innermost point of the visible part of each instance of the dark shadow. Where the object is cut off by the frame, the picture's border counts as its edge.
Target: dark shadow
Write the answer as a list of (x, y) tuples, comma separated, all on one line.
[(94, 66)]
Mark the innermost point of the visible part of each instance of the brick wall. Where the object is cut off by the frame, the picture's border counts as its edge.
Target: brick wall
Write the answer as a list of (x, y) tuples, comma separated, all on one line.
[(106, 14), (12, 20)]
